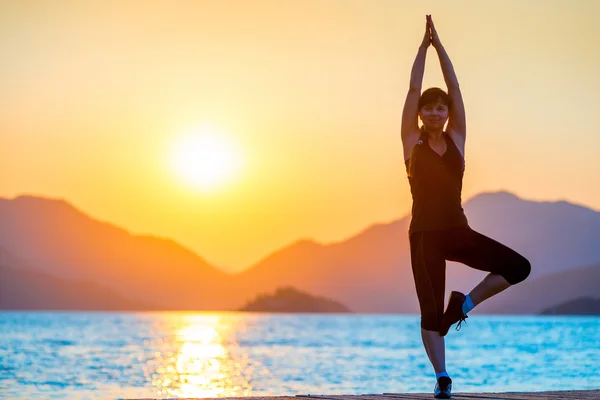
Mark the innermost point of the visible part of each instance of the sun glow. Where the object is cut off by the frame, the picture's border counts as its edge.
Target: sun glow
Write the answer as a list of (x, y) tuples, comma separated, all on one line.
[(205, 159)]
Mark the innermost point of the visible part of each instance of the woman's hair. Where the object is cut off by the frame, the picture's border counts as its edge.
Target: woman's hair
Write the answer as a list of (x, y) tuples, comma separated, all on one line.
[(432, 95)]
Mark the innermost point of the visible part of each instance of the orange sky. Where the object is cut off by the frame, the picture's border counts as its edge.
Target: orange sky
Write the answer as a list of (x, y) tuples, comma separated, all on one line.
[(94, 97)]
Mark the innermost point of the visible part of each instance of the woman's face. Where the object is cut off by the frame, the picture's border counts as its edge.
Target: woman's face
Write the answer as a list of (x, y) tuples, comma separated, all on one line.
[(434, 115)]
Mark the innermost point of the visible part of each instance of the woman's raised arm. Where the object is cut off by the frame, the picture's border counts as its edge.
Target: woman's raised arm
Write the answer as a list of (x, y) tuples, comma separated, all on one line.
[(457, 126), (410, 113)]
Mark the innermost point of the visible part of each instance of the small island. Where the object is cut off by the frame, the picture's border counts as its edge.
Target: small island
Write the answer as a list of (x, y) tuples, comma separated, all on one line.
[(580, 306), (291, 300)]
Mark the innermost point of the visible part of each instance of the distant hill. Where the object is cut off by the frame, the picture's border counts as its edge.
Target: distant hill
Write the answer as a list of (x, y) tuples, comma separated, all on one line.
[(291, 300), (369, 272), (581, 306), (25, 289)]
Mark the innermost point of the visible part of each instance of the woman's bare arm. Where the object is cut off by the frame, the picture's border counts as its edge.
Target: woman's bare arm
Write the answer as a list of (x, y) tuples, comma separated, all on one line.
[(410, 113), (457, 126)]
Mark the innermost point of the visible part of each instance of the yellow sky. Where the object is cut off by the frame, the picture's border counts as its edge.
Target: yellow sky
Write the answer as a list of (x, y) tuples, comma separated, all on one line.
[(94, 96)]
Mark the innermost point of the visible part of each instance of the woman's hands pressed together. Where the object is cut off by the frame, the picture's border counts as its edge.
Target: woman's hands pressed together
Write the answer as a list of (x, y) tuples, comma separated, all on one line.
[(435, 39), (427, 37)]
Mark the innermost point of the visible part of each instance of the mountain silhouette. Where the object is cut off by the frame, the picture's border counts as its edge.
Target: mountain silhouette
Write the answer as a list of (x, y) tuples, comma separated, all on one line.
[(554, 236), (56, 238), (368, 272), (22, 288), (579, 306), (535, 296), (371, 271)]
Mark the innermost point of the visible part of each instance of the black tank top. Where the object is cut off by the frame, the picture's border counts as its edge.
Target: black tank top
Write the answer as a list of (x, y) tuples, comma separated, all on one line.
[(436, 186)]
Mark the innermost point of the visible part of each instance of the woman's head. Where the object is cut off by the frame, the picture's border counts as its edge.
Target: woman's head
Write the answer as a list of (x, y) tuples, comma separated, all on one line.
[(434, 108)]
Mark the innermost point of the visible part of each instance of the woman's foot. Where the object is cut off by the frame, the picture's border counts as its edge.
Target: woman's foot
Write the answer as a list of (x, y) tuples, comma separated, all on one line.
[(454, 313), (443, 388)]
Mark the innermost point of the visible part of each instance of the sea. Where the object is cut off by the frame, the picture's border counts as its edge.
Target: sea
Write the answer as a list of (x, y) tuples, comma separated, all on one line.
[(102, 355)]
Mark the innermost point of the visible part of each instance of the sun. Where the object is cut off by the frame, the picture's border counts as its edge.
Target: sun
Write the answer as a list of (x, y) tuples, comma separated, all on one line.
[(205, 159)]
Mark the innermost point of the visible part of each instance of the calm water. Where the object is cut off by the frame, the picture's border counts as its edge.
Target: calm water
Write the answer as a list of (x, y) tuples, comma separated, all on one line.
[(167, 355)]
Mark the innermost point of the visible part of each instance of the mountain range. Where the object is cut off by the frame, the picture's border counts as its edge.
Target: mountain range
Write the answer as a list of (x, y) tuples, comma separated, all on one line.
[(369, 272), (23, 288)]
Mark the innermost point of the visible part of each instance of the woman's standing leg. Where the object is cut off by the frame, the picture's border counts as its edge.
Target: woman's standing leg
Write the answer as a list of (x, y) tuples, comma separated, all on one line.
[(435, 347), (429, 272)]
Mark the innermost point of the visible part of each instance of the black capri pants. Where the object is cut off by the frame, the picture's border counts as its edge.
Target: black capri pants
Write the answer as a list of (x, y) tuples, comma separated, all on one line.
[(429, 251)]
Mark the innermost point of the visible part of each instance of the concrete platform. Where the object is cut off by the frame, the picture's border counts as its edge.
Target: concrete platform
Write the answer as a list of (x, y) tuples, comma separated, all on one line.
[(558, 395)]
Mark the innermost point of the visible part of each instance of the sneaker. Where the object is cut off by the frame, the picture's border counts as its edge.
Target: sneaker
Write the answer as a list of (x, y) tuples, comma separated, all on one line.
[(453, 313), (443, 388)]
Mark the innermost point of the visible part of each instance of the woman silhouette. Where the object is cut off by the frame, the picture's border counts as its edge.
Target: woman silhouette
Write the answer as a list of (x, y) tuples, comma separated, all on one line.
[(439, 230)]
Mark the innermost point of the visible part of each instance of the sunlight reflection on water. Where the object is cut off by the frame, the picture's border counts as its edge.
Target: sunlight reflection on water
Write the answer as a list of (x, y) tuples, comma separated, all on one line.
[(196, 363)]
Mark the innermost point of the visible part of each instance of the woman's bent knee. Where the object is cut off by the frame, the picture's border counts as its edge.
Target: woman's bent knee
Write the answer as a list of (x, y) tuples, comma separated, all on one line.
[(521, 271)]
